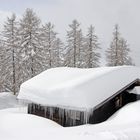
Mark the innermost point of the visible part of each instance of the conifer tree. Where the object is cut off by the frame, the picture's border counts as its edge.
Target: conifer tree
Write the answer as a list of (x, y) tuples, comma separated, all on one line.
[(73, 44), (30, 53), (59, 54), (118, 52), (93, 55), (49, 43), (9, 58)]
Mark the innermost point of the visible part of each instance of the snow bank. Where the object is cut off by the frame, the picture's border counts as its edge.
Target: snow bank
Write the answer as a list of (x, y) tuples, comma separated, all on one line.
[(18, 109), (127, 114), (77, 88), (15, 126), (19, 120), (123, 125)]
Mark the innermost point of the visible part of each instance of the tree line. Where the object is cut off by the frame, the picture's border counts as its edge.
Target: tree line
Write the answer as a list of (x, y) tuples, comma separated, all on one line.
[(27, 47)]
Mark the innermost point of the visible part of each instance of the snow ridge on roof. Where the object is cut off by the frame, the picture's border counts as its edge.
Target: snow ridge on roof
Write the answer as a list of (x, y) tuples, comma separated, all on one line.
[(75, 87)]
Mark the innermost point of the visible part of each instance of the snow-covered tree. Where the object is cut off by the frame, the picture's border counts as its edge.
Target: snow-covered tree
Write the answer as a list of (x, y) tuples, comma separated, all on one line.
[(2, 57), (59, 54), (81, 50), (49, 42), (118, 52), (9, 57), (124, 51), (73, 44), (112, 51), (92, 49), (30, 54)]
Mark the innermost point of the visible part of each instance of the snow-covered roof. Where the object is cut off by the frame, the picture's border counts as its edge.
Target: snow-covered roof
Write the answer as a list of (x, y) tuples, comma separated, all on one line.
[(75, 87)]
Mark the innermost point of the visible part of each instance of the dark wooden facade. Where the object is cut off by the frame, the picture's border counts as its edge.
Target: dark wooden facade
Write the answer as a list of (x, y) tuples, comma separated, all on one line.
[(100, 113), (64, 117)]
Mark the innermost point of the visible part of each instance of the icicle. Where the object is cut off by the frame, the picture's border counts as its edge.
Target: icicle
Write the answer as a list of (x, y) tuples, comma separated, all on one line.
[(34, 107), (90, 113), (86, 119), (67, 116), (42, 108), (38, 107), (51, 112), (45, 112), (74, 117), (29, 108), (61, 115)]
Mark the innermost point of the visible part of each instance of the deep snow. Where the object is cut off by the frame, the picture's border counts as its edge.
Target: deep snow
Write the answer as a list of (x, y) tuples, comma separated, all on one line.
[(124, 125)]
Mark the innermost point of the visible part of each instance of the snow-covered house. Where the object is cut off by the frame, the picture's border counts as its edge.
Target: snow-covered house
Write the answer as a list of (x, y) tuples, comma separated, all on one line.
[(73, 96)]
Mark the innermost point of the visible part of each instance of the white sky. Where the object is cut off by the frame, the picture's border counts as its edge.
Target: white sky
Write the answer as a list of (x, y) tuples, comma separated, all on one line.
[(103, 14)]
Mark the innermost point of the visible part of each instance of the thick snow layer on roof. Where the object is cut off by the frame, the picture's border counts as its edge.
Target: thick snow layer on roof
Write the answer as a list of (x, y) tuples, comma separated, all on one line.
[(77, 88)]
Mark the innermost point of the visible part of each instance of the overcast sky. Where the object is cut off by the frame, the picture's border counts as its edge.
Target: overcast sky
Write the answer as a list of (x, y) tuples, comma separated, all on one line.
[(103, 14)]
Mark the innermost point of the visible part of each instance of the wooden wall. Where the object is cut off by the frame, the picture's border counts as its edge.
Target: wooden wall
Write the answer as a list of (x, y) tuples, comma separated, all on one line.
[(64, 117)]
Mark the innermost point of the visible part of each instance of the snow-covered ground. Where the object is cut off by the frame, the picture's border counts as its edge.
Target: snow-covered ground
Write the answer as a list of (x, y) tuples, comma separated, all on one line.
[(8, 100), (15, 124)]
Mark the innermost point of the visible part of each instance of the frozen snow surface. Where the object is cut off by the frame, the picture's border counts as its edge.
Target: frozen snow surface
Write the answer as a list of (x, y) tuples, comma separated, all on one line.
[(124, 125), (77, 88)]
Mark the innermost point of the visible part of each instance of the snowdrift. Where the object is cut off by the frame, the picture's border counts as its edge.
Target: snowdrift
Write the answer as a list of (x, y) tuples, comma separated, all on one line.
[(77, 88), (122, 126)]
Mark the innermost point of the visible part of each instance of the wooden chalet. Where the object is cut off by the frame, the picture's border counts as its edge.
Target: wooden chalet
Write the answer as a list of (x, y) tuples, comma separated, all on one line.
[(100, 111)]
